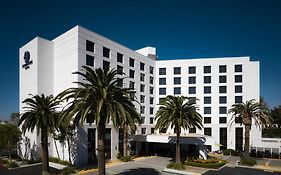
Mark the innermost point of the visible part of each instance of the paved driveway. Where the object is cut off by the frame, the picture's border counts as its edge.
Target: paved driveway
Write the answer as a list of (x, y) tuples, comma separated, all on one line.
[(239, 171)]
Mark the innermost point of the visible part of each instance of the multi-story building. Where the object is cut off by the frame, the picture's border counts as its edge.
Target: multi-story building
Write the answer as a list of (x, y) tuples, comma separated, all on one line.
[(47, 66)]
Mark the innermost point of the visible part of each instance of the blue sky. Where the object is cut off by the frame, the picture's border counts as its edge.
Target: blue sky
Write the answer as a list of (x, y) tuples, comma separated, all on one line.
[(177, 28)]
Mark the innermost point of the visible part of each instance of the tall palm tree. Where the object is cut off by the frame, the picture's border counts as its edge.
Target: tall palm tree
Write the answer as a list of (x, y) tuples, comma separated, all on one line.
[(40, 113), (178, 112), (248, 112), (100, 97)]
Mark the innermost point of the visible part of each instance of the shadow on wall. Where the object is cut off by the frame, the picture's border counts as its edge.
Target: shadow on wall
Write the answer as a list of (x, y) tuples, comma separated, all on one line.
[(80, 152)]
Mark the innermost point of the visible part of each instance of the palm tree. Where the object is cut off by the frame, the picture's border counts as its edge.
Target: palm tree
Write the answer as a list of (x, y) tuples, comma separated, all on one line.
[(40, 113), (100, 97), (248, 112), (178, 112)]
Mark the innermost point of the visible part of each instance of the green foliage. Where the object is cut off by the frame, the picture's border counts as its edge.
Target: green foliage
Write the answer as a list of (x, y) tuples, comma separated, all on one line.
[(68, 170), (10, 135), (126, 158), (33, 161), (3, 161), (276, 115), (228, 151), (247, 161), (208, 164), (177, 166), (271, 133), (12, 165), (57, 160)]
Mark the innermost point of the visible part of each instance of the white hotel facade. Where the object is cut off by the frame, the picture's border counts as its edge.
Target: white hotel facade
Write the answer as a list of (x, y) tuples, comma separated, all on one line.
[(47, 66)]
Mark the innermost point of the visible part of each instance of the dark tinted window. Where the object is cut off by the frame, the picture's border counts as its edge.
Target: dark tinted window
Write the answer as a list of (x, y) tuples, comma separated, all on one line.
[(192, 70), (162, 71), (238, 78), (90, 60), (151, 69), (208, 131), (151, 80), (151, 122), (106, 52), (238, 68), (162, 91), (132, 85), (177, 90), (222, 79), (151, 89), (142, 77), (207, 110), (90, 46), (222, 89), (207, 69), (207, 119), (119, 70), (106, 65), (177, 70), (207, 79), (151, 99), (207, 89), (222, 120), (119, 57), (131, 73), (131, 62), (207, 100), (162, 81), (192, 80), (142, 66), (238, 99), (223, 100), (192, 90), (222, 69), (238, 89), (142, 87), (223, 110), (177, 80)]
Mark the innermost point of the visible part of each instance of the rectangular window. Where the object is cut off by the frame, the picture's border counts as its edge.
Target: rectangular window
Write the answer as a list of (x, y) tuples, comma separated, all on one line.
[(106, 52), (192, 70), (192, 100), (142, 87), (238, 120), (131, 73), (223, 138), (177, 90), (106, 65), (162, 91), (142, 109), (238, 99), (239, 139), (223, 100), (132, 85), (238, 68), (142, 97), (151, 120), (151, 69), (207, 89), (207, 69), (177, 80), (90, 60), (222, 120), (151, 90), (162, 81), (192, 80), (207, 120), (142, 66), (207, 110), (151, 100), (222, 69), (142, 120), (222, 89), (192, 90), (142, 77), (119, 70), (162, 71), (223, 110), (222, 79), (151, 109), (143, 130), (207, 79), (151, 80), (131, 62), (207, 100), (192, 130), (177, 70), (238, 89), (238, 78), (208, 131), (119, 57), (152, 130), (90, 46)]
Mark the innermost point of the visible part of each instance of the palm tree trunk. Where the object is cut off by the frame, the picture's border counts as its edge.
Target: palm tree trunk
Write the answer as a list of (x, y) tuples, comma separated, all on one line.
[(69, 150), (44, 151), (178, 158), (101, 152), (125, 141), (247, 141), (56, 146)]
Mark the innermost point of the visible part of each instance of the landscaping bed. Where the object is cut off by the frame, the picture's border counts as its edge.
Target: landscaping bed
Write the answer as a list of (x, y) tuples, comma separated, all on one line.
[(209, 163)]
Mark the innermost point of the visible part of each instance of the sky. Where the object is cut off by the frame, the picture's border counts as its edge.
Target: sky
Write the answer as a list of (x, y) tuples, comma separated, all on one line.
[(177, 28)]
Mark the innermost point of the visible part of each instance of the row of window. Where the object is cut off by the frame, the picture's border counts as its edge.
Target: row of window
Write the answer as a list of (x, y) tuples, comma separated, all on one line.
[(206, 69), (142, 109), (222, 110), (223, 99), (207, 80), (207, 90), (151, 120)]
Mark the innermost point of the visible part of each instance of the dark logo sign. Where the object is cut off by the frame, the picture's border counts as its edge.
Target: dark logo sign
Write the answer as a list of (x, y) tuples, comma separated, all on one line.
[(27, 60)]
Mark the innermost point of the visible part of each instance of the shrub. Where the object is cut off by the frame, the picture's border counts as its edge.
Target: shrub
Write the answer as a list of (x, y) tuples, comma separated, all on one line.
[(12, 165), (68, 170), (248, 161), (33, 161), (212, 162), (57, 160), (126, 158), (177, 166), (4, 161), (228, 151)]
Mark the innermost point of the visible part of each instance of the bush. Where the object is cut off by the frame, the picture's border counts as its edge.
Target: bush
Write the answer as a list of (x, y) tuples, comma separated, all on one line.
[(228, 151), (68, 170), (248, 161), (57, 160), (33, 161), (12, 165), (126, 158), (4, 161), (177, 166), (211, 162)]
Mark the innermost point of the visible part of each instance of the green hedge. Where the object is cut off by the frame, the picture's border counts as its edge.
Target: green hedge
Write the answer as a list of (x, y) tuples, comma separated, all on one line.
[(4, 161), (271, 133), (68, 170), (228, 151), (218, 164), (57, 160), (126, 158), (177, 166), (248, 161), (12, 165)]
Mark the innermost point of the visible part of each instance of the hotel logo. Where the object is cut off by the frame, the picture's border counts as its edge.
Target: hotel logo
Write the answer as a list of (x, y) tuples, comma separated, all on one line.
[(27, 61)]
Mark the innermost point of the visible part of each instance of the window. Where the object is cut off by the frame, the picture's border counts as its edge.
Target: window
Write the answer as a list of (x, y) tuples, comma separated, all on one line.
[(162, 81), (106, 65), (142, 87), (177, 90), (119, 70), (208, 131), (151, 120), (192, 80), (192, 130), (222, 79), (142, 108), (106, 52), (223, 138), (238, 89), (142, 66), (207, 69), (238, 78), (223, 110), (119, 57), (151, 90), (151, 80), (132, 85), (192, 70), (207, 100), (131, 62), (151, 109), (207, 90), (177, 70), (222, 69), (207, 110), (238, 99), (177, 80), (90, 46), (131, 73), (238, 119), (223, 100), (143, 130), (142, 98), (192, 90), (207, 79), (162, 71), (222, 89), (141, 77), (238, 68), (222, 120), (162, 91), (152, 130), (151, 100), (207, 120), (142, 120), (192, 100), (90, 60), (151, 69)]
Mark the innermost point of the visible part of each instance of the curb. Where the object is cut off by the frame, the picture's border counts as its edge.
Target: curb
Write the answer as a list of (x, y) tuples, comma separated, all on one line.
[(168, 170)]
